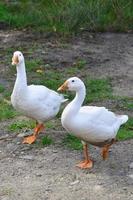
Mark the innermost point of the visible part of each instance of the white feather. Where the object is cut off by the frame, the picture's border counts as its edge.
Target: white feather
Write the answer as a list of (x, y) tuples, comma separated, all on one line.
[(34, 101), (89, 123)]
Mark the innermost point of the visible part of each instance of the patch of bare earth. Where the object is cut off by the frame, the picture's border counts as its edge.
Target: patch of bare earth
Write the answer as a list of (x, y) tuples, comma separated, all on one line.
[(41, 173)]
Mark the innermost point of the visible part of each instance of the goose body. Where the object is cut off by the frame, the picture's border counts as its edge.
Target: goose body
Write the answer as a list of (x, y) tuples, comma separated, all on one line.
[(34, 101), (92, 124)]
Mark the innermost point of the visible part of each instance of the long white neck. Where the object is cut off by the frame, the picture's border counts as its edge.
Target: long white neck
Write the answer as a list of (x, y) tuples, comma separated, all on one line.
[(77, 102), (21, 80)]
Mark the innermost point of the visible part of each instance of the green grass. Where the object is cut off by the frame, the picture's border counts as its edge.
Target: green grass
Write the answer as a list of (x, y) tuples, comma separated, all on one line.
[(97, 89), (46, 141), (49, 125), (6, 110), (2, 88), (72, 142), (33, 65), (126, 131), (19, 125), (50, 78), (69, 16), (80, 64), (127, 104), (7, 94)]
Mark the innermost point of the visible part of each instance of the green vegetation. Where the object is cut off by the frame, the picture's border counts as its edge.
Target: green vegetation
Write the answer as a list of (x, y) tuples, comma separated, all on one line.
[(1, 88), (69, 16), (80, 64), (49, 125), (126, 131), (97, 89), (19, 125), (72, 142), (33, 65), (46, 141), (7, 94), (6, 110)]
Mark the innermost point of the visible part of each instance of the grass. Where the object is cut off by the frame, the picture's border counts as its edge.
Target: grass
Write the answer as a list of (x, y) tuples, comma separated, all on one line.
[(97, 89), (72, 142), (33, 65), (19, 125), (6, 110), (49, 125), (67, 17), (80, 64), (2, 88), (127, 104), (46, 141), (126, 131)]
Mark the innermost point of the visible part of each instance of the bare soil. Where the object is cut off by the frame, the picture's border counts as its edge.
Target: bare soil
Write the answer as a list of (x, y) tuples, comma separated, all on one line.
[(41, 173)]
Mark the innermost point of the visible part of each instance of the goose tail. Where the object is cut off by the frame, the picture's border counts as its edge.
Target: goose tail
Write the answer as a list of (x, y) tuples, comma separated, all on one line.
[(63, 100), (123, 119)]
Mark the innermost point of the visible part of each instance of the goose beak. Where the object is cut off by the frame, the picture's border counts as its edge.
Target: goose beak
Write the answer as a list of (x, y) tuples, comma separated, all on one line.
[(63, 87), (15, 60)]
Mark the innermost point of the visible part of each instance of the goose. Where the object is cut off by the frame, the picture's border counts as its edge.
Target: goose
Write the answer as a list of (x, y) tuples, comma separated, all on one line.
[(94, 125), (33, 101)]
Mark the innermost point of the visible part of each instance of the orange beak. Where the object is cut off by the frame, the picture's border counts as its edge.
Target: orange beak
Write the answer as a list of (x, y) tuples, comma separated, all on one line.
[(15, 60), (63, 87)]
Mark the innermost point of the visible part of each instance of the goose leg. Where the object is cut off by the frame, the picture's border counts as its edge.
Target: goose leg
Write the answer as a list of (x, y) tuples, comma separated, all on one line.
[(87, 163), (32, 138), (105, 149)]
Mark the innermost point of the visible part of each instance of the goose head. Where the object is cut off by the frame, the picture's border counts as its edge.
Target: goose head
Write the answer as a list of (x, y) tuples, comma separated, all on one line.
[(72, 84), (17, 58)]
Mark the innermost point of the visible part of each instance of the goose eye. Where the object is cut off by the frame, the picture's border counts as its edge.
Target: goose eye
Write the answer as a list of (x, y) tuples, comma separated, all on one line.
[(19, 54), (73, 81)]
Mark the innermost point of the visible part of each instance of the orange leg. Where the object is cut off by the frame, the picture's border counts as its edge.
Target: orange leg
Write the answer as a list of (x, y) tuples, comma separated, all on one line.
[(32, 138), (87, 163), (105, 149)]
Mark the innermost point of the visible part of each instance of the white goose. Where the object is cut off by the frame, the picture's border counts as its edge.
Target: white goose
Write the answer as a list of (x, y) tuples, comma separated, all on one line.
[(34, 101), (94, 125)]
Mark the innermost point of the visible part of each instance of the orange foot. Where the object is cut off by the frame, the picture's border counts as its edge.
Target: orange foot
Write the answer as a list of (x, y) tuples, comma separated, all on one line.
[(29, 140), (86, 164)]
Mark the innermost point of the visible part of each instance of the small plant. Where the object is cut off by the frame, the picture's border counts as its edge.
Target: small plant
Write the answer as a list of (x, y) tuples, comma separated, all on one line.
[(49, 125), (81, 64), (33, 65), (6, 111), (97, 89), (72, 142), (126, 131), (128, 104), (19, 125), (7, 94), (46, 141), (2, 89)]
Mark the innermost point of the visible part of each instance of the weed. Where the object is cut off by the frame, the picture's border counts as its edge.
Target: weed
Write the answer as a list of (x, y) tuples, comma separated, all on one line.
[(126, 131), (33, 65), (46, 141), (6, 111), (68, 17), (19, 125), (49, 125), (80, 64), (2, 88), (72, 142), (97, 89)]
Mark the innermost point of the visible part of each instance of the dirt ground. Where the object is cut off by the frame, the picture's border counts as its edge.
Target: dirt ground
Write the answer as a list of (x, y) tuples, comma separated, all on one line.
[(49, 173)]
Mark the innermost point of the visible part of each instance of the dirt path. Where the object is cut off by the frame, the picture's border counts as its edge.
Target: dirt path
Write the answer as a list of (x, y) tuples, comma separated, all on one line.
[(30, 173)]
